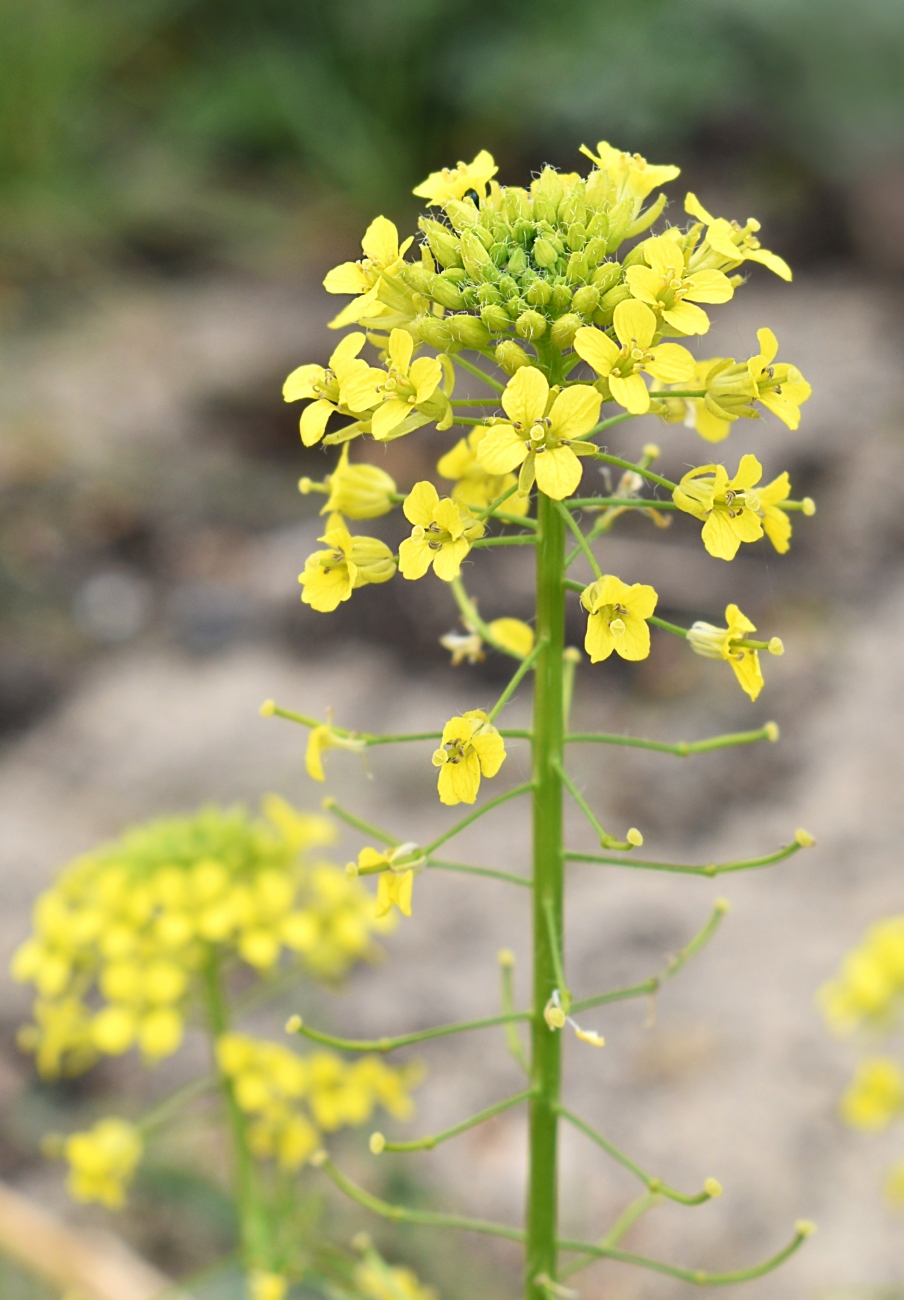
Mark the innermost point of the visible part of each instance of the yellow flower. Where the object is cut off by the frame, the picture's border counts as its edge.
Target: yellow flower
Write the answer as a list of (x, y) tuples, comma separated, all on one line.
[(667, 285), (103, 1161), (617, 618), (405, 389), (456, 182), (382, 254), (728, 244), (721, 643), (375, 1280), (471, 747), (782, 389), (267, 1286), (875, 1096), (332, 575), (474, 487), (442, 534), (635, 328), (729, 506), (539, 434), (396, 882), (319, 741), (631, 175), (358, 491), (870, 980), (325, 384), (513, 635)]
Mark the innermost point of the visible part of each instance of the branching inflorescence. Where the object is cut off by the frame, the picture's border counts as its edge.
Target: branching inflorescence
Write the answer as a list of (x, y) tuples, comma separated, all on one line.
[(584, 317)]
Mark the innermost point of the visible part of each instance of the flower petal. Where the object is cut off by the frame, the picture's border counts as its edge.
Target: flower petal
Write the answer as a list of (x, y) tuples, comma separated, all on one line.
[(526, 395), (558, 472), (709, 286), (596, 348), (300, 383), (644, 283), (426, 374), (400, 349), (415, 558), (501, 450), (634, 643), (687, 318), (671, 364), (490, 749), (381, 241), (575, 411), (631, 393), (313, 421), (447, 562), (634, 323), (719, 538), (420, 503), (598, 640), (347, 278), (388, 417)]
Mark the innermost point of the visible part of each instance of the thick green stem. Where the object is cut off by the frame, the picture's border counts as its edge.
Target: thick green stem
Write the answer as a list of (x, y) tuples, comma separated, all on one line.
[(549, 730), (253, 1221)]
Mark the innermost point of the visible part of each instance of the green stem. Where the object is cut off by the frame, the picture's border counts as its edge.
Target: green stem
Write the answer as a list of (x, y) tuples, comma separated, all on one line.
[(401, 1214), (561, 985), (459, 360), (368, 738), (478, 812), (638, 469), (625, 503), (526, 665), (606, 840), (708, 869), (698, 1276), (572, 658), (509, 877), (509, 492), (682, 748), (623, 1224), (253, 1221), (655, 1185), (472, 619), (583, 544), (173, 1103), (295, 1025), (330, 805), (667, 627), (549, 728), (434, 1139), (504, 541), (512, 1037)]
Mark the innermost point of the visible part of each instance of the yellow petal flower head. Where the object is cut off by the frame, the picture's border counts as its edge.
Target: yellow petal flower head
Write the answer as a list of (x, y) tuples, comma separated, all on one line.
[(729, 394), (875, 1096), (871, 980), (617, 618), (781, 388), (382, 255), (442, 534), (729, 507), (456, 182), (102, 1162), (630, 175), (267, 1286), (349, 562), (667, 285), (396, 868), (474, 486), (357, 491), (728, 643), (319, 741), (471, 747), (401, 393), (542, 425), (621, 366), (323, 384), (726, 244)]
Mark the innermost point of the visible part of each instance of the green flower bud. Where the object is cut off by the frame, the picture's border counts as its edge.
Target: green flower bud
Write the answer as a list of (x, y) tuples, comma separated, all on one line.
[(572, 208), (586, 300), (443, 244), (561, 298), (462, 213), (507, 286), (615, 296), (488, 295), (511, 356), (523, 231), (484, 235), (373, 559), (416, 276), (515, 306), (595, 251), (577, 269), (474, 255), (443, 291), (468, 330), (539, 293), (576, 237), (434, 331), (544, 254), (500, 254), (517, 262), (496, 318), (565, 328), (455, 274), (607, 275), (531, 325), (635, 257)]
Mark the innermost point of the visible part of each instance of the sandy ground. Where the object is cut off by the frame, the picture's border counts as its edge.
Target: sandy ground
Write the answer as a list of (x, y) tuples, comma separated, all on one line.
[(734, 1075)]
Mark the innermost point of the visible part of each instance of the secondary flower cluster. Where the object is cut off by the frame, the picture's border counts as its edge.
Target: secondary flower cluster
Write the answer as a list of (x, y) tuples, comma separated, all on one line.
[(869, 987), (122, 938), (291, 1099), (102, 1161)]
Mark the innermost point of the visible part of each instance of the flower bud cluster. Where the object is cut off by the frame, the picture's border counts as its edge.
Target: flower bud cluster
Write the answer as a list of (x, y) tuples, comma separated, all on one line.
[(292, 1099), (121, 938)]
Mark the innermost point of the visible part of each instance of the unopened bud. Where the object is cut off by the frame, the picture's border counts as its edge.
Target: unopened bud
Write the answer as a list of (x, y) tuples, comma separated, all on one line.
[(377, 1143), (511, 356), (351, 869), (373, 560), (808, 506), (443, 291), (496, 318), (505, 957), (544, 254), (775, 646), (318, 1158), (561, 297), (618, 294), (804, 1228), (586, 299), (606, 276), (565, 328), (530, 325), (772, 731), (434, 331), (722, 906), (712, 1187), (267, 709), (634, 837), (804, 838), (650, 451), (293, 1024), (539, 293), (304, 485), (571, 654), (469, 330)]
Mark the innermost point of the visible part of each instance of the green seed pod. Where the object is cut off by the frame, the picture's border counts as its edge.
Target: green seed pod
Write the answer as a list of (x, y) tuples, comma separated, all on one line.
[(517, 262), (495, 318), (538, 293), (586, 300), (564, 329), (544, 254), (531, 325), (468, 330), (434, 331), (561, 298), (511, 356), (607, 275)]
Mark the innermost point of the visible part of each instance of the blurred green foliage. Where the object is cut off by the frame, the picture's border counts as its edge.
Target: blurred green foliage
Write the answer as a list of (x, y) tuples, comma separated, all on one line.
[(119, 111)]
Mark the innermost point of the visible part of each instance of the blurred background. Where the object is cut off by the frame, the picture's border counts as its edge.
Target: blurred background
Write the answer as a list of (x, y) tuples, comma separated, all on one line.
[(175, 178)]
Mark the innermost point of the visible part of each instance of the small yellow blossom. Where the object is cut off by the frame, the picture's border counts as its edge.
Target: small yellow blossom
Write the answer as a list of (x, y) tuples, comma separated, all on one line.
[(325, 384), (357, 491), (396, 869), (875, 1096), (267, 1286), (319, 741), (471, 747), (542, 433), (376, 1280), (721, 643), (330, 576), (871, 979), (456, 182), (631, 175), (727, 244), (442, 534), (672, 291), (729, 507), (102, 1162), (382, 255), (474, 486), (405, 389), (621, 367), (781, 388), (617, 617)]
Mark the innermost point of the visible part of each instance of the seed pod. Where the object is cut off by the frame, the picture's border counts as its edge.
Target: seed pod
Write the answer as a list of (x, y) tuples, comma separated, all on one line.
[(531, 325)]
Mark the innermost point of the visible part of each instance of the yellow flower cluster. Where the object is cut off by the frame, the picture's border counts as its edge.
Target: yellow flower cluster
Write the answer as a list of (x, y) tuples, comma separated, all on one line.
[(875, 1095), (120, 938), (102, 1162), (291, 1099), (870, 984), (377, 1280)]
